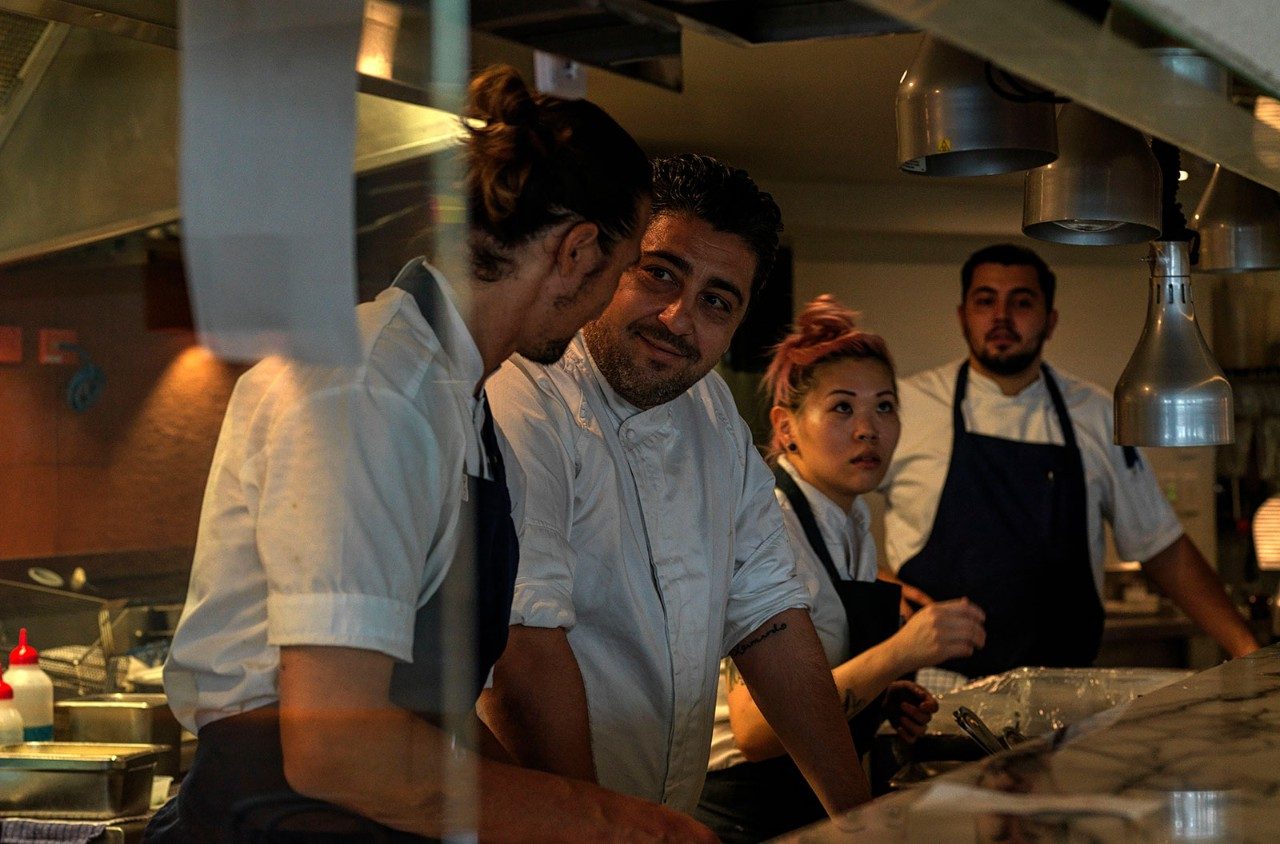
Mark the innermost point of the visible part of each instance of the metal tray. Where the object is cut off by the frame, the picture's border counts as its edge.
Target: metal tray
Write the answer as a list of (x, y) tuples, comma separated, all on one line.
[(122, 718), (76, 780)]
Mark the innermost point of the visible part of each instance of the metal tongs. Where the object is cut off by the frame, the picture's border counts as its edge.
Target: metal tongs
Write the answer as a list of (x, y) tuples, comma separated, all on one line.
[(978, 730)]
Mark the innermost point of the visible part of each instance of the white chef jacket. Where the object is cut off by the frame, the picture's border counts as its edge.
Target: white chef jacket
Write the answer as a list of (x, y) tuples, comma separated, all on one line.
[(654, 539), (331, 508), (1142, 521), (853, 551)]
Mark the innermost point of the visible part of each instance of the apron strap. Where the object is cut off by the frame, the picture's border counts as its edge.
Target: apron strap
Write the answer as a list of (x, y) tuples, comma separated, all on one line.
[(804, 513), (419, 282), (1055, 395), (1060, 406)]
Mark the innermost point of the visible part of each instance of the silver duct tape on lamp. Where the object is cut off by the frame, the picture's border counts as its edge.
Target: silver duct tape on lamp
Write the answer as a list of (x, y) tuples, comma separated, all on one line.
[(1104, 189), (952, 122), (1173, 392), (1239, 225)]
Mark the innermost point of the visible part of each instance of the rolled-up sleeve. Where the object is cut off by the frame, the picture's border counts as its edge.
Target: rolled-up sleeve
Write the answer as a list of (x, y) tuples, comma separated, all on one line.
[(535, 424), (764, 579), (348, 511)]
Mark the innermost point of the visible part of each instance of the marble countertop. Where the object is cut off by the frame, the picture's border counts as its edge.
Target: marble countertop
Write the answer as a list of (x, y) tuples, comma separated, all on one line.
[(1198, 760)]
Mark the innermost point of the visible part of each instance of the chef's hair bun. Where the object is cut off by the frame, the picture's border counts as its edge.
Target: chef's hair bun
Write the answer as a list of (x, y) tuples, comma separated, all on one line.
[(824, 331), (535, 160)]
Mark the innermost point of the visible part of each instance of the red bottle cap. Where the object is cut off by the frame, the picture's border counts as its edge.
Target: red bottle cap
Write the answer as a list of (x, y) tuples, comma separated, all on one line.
[(24, 654)]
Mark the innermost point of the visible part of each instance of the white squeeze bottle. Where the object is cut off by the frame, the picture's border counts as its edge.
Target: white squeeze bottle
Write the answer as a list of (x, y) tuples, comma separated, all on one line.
[(10, 719), (32, 690)]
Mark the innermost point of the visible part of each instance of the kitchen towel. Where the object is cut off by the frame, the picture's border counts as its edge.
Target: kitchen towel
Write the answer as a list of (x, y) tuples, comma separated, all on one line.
[(25, 831)]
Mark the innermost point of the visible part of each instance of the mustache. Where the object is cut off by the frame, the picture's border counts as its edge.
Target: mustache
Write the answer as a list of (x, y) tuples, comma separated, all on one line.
[(1001, 330), (667, 338)]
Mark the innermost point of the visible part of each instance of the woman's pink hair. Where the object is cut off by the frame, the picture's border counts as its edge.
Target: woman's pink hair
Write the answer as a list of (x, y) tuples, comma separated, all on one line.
[(823, 332)]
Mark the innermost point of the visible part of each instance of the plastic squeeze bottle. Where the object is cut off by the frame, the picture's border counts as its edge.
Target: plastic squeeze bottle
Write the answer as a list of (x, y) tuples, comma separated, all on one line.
[(10, 719), (32, 690)]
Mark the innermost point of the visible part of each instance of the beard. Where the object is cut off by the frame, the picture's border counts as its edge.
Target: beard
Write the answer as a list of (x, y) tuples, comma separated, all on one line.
[(549, 350), (643, 385), (1009, 363)]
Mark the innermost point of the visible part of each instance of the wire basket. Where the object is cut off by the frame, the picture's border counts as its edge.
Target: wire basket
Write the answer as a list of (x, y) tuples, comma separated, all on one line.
[(73, 633)]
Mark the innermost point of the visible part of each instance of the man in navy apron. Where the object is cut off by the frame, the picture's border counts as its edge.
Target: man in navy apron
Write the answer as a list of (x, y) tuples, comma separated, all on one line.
[(1004, 475), (356, 556)]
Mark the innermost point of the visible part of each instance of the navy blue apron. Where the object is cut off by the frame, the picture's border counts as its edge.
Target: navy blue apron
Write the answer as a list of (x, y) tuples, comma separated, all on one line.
[(755, 801), (1011, 534), (236, 790)]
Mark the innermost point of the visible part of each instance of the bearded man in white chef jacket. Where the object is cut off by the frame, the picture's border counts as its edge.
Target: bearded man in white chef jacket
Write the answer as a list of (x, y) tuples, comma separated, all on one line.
[(651, 542), (1003, 477)]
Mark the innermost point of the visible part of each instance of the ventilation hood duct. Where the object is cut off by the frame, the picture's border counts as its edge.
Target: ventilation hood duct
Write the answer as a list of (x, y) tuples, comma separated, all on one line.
[(89, 131)]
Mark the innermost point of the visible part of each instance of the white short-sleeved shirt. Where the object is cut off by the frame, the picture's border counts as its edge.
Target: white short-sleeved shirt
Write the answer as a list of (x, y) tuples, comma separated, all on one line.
[(331, 509), (654, 539), (853, 551), (1127, 497)]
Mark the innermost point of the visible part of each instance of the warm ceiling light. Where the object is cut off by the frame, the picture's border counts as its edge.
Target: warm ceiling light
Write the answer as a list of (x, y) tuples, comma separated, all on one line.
[(1239, 225), (1266, 533), (953, 122), (378, 38), (1104, 188), (1173, 392), (1183, 175)]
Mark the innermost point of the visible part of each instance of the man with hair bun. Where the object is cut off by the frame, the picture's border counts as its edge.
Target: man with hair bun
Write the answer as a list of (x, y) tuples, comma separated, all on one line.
[(651, 543), (343, 502), (1004, 477)]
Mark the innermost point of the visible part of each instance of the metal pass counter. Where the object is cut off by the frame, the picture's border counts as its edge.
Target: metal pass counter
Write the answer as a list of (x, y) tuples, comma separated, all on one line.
[(1197, 760)]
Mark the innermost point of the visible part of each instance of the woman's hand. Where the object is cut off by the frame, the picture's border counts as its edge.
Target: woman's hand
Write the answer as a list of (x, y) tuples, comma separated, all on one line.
[(941, 631), (908, 706), (913, 600)]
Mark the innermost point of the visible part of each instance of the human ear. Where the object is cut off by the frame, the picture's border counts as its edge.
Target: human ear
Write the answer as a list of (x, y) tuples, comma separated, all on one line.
[(579, 250), (780, 419)]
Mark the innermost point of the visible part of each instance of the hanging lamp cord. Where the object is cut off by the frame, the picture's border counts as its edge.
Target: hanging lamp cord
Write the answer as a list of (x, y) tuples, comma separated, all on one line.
[(1173, 223)]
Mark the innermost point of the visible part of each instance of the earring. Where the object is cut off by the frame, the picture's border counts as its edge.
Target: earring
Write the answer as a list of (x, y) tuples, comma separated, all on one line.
[(792, 447)]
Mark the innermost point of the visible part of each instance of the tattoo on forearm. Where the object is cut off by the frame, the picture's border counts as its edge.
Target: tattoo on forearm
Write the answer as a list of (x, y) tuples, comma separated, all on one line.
[(743, 647), (852, 704)]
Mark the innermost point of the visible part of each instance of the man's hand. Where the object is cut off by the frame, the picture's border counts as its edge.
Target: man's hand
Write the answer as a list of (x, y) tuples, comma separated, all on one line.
[(939, 632), (909, 708)]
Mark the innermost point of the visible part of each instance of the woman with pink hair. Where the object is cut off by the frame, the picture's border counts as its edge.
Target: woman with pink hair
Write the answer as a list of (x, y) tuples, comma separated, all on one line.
[(835, 426)]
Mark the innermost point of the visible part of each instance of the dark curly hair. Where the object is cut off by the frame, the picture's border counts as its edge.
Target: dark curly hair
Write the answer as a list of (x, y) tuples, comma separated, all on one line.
[(1010, 255), (535, 160), (723, 196)]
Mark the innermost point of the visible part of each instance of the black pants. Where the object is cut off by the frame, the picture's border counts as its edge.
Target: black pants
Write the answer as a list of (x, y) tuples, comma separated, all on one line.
[(236, 792), (755, 801)]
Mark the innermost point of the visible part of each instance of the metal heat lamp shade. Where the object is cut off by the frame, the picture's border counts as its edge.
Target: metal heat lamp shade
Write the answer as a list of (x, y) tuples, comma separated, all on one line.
[(952, 122), (1104, 189), (1239, 225), (1173, 392)]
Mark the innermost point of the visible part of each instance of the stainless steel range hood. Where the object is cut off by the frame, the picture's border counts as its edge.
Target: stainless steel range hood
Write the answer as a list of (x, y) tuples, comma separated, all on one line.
[(88, 127)]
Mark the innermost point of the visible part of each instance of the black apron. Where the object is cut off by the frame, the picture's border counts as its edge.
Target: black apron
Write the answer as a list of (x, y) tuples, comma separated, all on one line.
[(236, 790), (755, 801), (1011, 534)]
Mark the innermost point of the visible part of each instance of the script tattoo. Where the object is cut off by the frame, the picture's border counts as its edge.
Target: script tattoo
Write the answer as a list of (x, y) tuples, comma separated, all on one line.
[(743, 647), (852, 704)]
